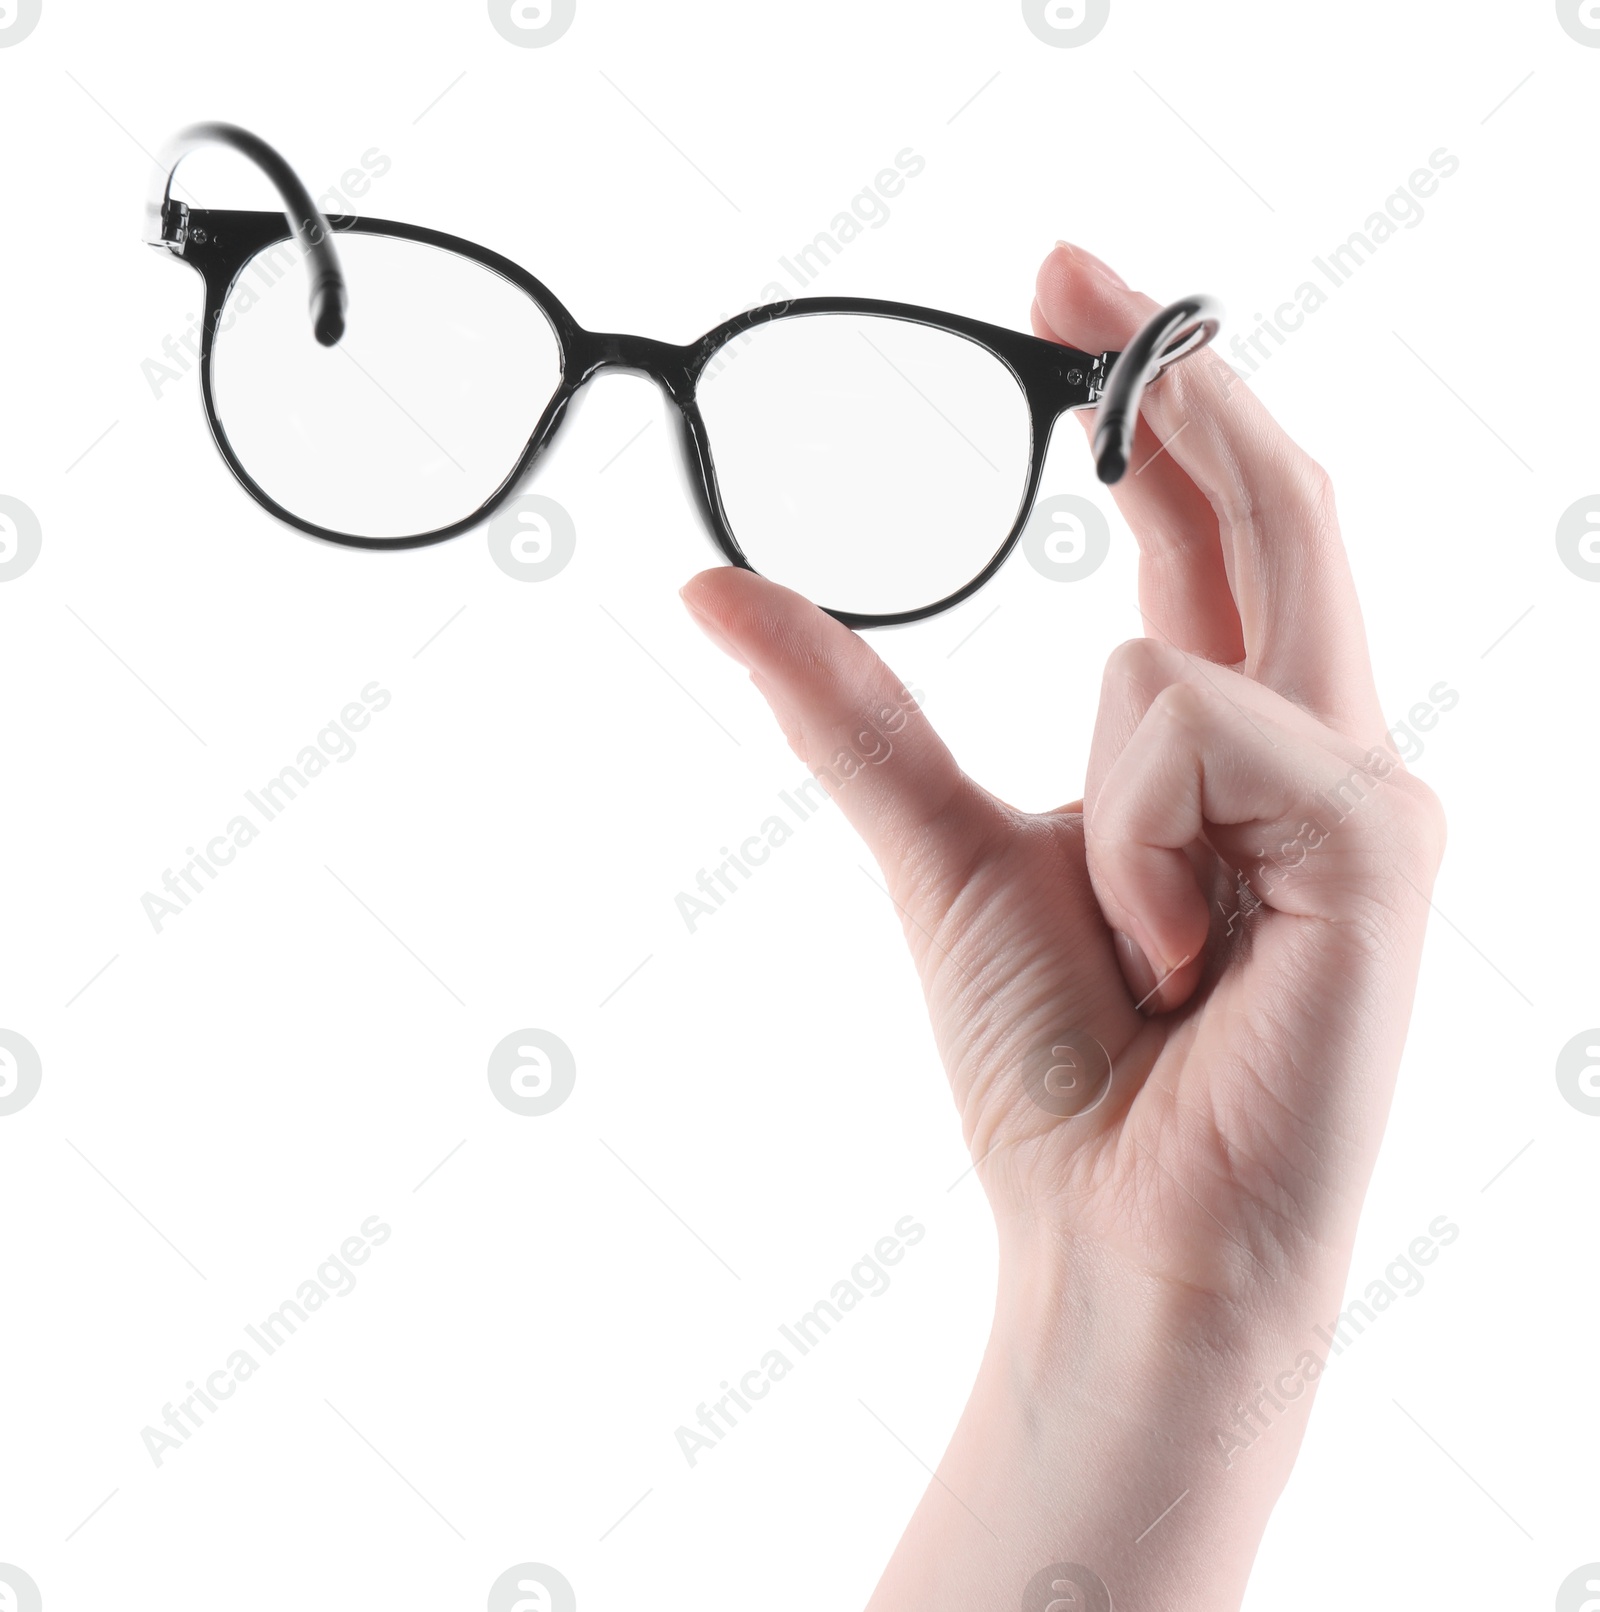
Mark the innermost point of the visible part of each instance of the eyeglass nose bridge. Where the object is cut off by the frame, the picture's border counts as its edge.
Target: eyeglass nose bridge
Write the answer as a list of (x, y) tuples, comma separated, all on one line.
[(675, 369), (670, 366)]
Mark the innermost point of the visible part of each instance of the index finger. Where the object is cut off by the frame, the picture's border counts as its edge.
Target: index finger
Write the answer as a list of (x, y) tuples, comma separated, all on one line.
[(1281, 547)]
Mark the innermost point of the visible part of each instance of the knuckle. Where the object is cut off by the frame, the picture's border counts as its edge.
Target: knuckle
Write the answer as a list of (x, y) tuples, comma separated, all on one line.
[(1146, 663), (1420, 818), (1318, 494), (1316, 479), (1405, 831), (1286, 484), (1313, 490), (1188, 704), (1130, 660)]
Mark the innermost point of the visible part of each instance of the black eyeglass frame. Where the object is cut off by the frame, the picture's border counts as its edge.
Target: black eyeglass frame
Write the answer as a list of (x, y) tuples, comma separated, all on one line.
[(1055, 379)]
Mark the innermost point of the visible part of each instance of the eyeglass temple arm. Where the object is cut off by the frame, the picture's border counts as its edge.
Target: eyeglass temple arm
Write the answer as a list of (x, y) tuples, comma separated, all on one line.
[(311, 229), (1178, 330)]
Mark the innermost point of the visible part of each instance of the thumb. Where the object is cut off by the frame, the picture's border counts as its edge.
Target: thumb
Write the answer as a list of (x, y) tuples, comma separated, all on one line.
[(862, 734)]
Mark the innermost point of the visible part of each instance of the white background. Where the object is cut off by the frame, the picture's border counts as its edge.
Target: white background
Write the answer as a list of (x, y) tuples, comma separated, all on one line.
[(305, 1044)]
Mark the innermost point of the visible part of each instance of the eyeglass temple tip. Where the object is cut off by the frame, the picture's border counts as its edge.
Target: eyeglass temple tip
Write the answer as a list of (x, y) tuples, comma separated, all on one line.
[(328, 303), (1111, 464), (1179, 329)]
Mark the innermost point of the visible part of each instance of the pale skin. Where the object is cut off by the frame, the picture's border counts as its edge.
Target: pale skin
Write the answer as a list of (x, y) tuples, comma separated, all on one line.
[(1167, 1251)]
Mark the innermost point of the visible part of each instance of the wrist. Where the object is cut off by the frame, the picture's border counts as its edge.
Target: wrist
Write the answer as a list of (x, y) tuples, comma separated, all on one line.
[(1168, 1419), (1135, 1426)]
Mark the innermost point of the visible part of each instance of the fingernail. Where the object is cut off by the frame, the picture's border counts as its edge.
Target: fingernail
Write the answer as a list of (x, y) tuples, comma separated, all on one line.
[(1136, 969), (713, 631), (1098, 264)]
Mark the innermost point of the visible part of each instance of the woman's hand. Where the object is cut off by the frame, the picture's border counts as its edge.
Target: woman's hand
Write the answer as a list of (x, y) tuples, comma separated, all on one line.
[(1171, 1013)]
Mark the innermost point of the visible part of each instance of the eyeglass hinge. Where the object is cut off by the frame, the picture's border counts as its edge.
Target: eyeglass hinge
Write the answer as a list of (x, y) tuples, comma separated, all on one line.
[(1088, 373), (175, 225)]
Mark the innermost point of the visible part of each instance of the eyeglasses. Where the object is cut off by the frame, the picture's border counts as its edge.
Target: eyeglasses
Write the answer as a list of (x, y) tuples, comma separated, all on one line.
[(880, 458)]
